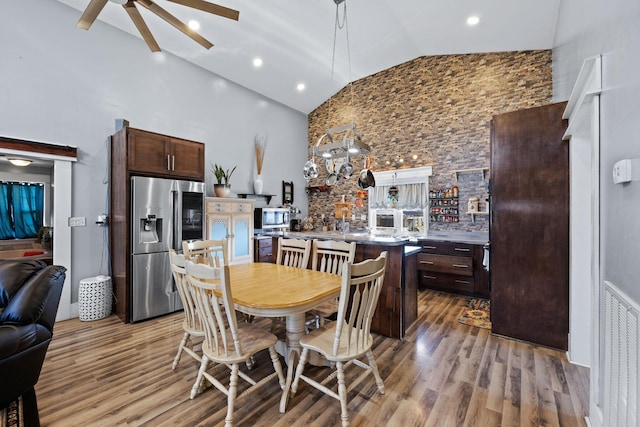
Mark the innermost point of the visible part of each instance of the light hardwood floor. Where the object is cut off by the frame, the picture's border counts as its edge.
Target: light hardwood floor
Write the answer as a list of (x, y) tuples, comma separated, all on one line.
[(443, 374)]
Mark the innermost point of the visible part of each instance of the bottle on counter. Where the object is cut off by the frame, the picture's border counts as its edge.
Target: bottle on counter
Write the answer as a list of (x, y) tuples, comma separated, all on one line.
[(454, 191)]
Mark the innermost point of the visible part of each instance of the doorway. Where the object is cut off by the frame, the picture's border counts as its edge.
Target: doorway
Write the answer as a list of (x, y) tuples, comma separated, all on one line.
[(62, 158)]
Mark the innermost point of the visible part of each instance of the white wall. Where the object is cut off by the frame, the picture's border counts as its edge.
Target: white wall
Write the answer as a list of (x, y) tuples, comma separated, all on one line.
[(67, 86), (587, 28)]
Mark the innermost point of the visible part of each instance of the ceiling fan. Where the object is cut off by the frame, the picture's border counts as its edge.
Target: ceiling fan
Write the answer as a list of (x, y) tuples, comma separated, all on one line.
[(95, 7)]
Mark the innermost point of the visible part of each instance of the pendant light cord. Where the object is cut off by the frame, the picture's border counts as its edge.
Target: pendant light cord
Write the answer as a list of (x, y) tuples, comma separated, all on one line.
[(340, 24)]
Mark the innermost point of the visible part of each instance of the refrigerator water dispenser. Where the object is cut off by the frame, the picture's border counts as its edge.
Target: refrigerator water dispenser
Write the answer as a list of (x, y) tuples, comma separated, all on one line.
[(150, 229)]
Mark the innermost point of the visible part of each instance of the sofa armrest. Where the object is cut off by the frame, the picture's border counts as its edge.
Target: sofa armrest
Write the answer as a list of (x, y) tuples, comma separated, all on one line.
[(13, 274), (41, 292)]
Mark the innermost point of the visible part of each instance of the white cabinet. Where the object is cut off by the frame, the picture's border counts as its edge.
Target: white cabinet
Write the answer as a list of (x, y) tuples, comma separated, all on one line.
[(232, 219)]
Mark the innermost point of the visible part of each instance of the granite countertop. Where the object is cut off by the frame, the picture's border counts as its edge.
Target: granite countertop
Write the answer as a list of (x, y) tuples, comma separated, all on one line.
[(364, 237)]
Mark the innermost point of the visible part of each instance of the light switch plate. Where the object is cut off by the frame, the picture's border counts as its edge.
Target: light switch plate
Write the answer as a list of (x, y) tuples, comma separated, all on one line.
[(622, 171), (77, 221)]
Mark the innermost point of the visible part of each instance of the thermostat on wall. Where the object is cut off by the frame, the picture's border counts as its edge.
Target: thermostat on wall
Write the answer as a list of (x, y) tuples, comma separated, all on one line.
[(622, 171)]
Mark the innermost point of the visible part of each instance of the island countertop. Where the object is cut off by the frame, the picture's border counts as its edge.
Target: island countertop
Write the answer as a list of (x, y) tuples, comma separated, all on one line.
[(364, 237)]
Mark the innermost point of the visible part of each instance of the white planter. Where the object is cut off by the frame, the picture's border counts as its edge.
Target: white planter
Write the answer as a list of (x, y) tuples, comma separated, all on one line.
[(257, 185)]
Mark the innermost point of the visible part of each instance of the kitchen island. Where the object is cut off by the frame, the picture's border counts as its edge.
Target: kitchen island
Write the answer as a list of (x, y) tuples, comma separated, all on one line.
[(398, 303), (448, 261)]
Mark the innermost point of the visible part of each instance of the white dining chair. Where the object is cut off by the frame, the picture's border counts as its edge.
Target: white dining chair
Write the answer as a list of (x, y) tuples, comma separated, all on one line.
[(193, 329), (348, 339), (204, 251), (227, 342), (293, 252), (329, 256)]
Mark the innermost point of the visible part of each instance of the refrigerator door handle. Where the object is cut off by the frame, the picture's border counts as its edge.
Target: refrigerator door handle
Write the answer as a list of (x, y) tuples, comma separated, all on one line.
[(177, 220)]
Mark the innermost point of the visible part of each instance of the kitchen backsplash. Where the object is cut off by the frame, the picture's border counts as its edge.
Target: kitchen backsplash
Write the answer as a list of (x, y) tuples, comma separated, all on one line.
[(439, 109)]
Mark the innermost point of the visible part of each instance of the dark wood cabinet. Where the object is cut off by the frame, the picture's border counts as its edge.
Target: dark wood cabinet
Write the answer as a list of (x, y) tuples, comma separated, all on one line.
[(529, 228), (137, 152), (263, 249), (453, 267), (398, 302), (161, 155)]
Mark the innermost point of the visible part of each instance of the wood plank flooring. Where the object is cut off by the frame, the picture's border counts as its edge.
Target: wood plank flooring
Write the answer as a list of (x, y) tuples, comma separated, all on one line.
[(106, 373)]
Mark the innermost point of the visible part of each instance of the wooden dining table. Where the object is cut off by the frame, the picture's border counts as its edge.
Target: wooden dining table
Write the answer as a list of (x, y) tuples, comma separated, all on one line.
[(272, 290)]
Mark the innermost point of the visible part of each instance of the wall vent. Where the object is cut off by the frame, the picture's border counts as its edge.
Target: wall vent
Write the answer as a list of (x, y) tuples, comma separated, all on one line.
[(621, 328)]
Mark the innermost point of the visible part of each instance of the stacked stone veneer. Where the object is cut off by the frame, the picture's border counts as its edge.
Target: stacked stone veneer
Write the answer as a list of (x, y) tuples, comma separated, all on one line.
[(438, 108)]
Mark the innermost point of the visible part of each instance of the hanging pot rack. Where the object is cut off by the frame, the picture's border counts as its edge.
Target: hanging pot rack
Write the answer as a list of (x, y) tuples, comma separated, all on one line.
[(350, 145)]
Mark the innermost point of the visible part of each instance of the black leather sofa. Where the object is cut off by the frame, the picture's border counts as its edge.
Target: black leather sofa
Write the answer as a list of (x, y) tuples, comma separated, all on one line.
[(29, 295)]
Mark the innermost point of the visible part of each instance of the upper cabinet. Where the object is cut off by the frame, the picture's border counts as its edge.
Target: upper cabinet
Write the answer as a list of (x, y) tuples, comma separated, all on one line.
[(156, 154)]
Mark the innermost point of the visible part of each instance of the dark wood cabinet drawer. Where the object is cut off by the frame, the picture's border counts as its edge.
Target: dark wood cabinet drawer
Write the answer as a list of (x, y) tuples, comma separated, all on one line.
[(446, 248), (459, 265), (446, 282)]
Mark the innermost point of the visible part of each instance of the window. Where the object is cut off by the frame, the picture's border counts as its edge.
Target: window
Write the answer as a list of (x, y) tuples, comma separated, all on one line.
[(399, 201), (21, 209)]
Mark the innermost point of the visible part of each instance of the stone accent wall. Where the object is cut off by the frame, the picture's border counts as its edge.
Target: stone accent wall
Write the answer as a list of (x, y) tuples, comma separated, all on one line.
[(437, 108)]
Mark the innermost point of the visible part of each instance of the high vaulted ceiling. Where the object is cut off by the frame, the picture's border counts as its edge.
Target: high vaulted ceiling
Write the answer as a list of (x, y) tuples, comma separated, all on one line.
[(295, 38)]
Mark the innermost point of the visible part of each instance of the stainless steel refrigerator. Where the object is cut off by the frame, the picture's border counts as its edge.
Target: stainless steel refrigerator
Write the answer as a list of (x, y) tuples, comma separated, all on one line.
[(164, 213)]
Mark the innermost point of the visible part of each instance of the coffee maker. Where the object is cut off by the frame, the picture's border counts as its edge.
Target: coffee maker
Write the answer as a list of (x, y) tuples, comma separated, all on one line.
[(295, 223)]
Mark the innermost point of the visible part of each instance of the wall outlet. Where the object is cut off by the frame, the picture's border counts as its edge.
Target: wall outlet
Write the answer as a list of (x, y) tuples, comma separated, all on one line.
[(77, 221)]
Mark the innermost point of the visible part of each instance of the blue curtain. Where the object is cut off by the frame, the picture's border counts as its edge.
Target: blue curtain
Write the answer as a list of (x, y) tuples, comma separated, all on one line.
[(6, 222), (27, 201)]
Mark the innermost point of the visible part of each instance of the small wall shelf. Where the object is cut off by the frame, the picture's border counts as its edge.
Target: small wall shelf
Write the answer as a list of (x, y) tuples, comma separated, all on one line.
[(267, 197), (473, 215), (318, 189), (480, 170)]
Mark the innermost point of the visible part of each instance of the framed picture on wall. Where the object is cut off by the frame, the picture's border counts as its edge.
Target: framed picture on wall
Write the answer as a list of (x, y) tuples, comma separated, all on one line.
[(287, 192)]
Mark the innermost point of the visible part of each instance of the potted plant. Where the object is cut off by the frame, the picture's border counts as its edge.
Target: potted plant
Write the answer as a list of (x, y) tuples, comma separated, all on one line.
[(222, 189)]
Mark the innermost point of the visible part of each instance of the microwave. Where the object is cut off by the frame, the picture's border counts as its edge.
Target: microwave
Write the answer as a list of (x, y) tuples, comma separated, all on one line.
[(270, 218)]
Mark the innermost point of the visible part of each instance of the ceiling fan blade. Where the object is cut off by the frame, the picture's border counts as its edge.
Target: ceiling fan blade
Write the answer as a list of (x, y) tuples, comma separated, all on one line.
[(142, 27), (175, 22), (91, 13), (205, 6)]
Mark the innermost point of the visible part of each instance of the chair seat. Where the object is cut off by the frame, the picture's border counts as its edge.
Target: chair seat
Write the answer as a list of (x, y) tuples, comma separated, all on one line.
[(321, 340), (252, 340)]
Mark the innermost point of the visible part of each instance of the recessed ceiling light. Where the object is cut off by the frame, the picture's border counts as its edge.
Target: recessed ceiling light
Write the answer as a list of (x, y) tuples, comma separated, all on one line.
[(194, 25), (257, 62), (473, 20), (300, 87)]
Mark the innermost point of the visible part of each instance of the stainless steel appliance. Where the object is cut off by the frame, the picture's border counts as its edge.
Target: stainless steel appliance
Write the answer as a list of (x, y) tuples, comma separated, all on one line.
[(271, 218), (164, 212)]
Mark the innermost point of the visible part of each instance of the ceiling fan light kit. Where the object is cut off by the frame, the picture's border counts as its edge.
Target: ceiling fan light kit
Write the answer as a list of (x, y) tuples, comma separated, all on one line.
[(95, 7)]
